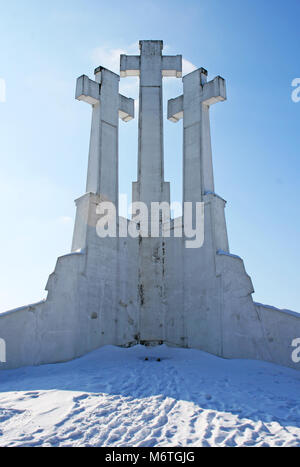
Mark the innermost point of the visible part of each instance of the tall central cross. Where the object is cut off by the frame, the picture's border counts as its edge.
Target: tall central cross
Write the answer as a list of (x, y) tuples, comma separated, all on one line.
[(151, 66)]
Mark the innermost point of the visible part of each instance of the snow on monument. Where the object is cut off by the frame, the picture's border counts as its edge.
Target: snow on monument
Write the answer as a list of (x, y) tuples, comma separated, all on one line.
[(125, 289)]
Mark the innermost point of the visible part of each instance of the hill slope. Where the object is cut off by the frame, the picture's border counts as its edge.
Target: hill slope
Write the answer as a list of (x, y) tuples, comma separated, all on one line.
[(113, 397)]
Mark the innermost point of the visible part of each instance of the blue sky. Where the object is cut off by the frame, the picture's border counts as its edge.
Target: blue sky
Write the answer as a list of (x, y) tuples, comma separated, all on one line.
[(44, 132)]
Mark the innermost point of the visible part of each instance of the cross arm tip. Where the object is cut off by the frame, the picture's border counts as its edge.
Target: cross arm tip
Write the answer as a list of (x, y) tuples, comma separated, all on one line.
[(129, 65), (175, 109), (87, 90), (215, 91), (172, 66), (126, 108)]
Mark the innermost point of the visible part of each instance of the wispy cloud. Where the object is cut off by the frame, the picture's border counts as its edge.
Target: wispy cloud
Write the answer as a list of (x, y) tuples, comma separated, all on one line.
[(109, 57), (65, 220), (187, 66)]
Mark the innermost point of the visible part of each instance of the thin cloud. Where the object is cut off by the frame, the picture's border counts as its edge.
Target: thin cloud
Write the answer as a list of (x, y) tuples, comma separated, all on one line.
[(187, 67), (109, 57), (65, 220)]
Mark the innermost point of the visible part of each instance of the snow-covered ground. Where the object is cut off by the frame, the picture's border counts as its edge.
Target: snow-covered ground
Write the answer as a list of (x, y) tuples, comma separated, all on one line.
[(113, 397)]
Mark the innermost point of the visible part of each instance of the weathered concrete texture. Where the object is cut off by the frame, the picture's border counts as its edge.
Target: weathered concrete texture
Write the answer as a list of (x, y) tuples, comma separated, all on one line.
[(123, 291), (151, 66), (108, 105)]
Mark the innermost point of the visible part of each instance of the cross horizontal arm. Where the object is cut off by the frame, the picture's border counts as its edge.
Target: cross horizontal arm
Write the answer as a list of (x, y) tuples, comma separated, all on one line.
[(129, 65), (175, 109), (214, 91), (87, 90), (126, 108), (172, 65)]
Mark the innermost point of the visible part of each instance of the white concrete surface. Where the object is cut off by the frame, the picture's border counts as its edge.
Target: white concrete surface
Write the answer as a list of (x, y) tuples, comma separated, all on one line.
[(108, 105)]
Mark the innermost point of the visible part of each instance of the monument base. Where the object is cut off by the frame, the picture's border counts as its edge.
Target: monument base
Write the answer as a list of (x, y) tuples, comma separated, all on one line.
[(94, 300)]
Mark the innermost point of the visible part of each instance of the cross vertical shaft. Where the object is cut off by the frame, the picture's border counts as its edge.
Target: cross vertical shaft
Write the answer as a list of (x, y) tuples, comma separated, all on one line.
[(151, 66), (193, 106), (108, 105), (150, 152), (102, 177), (150, 187), (198, 178)]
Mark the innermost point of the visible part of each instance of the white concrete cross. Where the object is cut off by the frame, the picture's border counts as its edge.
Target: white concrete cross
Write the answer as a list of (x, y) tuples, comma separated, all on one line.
[(193, 106), (151, 66), (108, 106)]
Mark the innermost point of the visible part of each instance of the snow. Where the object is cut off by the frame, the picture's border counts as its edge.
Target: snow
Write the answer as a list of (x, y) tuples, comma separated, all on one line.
[(114, 397), (269, 307), (226, 253), (215, 194), (21, 308)]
